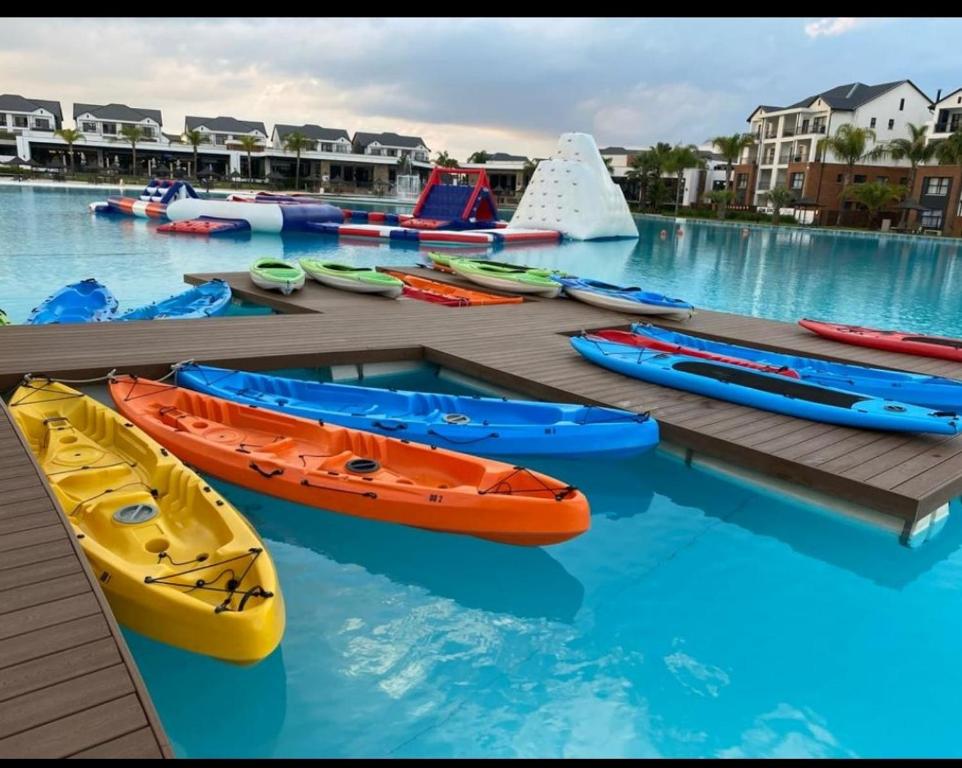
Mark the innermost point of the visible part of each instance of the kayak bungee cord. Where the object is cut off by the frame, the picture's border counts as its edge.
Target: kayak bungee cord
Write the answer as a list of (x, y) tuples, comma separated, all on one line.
[(558, 493)]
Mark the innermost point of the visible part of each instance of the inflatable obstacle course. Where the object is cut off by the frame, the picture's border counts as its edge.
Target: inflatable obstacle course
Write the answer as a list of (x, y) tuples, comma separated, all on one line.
[(152, 203)]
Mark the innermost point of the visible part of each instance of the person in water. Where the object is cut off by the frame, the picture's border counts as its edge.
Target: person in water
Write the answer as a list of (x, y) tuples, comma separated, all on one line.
[(663, 234), (680, 232)]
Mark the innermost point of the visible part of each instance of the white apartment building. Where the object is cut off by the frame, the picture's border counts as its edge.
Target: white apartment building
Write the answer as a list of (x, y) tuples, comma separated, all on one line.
[(391, 145), (697, 182), (946, 118), (325, 139), (789, 135), (505, 171), (223, 130), (18, 114), (105, 121)]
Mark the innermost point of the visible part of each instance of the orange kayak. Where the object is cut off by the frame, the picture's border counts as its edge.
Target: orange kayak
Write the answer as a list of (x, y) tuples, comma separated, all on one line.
[(354, 472), (460, 295)]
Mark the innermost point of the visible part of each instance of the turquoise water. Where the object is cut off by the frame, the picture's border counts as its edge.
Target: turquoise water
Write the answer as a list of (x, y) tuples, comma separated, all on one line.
[(697, 617), (48, 236)]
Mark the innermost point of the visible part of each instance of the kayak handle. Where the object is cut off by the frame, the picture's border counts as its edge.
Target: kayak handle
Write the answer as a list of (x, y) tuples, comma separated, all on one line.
[(389, 427), (272, 473)]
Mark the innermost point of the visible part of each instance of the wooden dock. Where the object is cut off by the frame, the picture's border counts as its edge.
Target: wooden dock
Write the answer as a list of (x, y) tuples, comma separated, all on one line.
[(68, 686)]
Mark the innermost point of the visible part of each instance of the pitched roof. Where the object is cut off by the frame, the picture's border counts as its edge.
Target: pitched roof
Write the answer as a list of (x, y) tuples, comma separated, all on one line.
[(225, 124), (941, 99), (388, 140), (851, 95), (16, 103), (616, 151), (174, 138), (312, 132), (505, 157), (117, 112)]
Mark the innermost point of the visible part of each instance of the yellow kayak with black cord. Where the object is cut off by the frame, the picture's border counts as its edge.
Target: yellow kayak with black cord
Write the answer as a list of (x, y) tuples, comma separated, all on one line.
[(176, 561)]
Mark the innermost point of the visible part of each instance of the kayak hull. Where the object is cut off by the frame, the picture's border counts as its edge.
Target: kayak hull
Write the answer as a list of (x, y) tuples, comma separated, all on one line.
[(766, 391), (85, 302), (348, 282), (890, 341), (206, 300), (353, 472), (479, 425), (627, 300)]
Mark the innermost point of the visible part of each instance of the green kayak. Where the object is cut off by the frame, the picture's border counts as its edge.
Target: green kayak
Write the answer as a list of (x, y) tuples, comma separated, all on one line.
[(276, 275), (442, 262), (506, 278), (348, 278)]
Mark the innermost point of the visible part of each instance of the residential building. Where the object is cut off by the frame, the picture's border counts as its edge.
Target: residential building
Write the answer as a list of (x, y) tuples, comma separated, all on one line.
[(505, 172), (325, 139), (19, 114), (697, 182), (222, 131), (946, 117), (787, 138), (391, 145), (106, 121)]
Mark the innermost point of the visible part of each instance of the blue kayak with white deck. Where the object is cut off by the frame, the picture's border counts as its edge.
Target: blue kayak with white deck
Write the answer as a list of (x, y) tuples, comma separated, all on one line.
[(204, 300), (484, 425), (631, 300)]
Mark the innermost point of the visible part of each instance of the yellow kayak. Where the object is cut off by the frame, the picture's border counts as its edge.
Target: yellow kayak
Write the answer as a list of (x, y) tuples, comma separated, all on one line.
[(177, 562)]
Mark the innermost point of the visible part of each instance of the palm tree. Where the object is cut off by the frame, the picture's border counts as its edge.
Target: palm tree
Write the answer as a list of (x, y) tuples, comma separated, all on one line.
[(249, 143), (730, 148), (444, 160), (679, 160), (479, 157), (195, 138), (133, 134), (608, 164), (875, 195), (850, 143), (530, 166), (949, 151), (297, 142), (778, 198), (69, 135), (646, 169), (916, 150)]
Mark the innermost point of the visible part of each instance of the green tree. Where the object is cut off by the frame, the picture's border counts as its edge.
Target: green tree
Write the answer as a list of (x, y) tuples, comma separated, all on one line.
[(679, 160), (527, 171), (874, 196), (133, 134), (778, 198), (949, 150), (444, 160), (608, 164), (730, 148), (479, 157), (195, 138), (851, 145), (646, 169), (249, 144), (916, 150), (69, 135), (297, 142)]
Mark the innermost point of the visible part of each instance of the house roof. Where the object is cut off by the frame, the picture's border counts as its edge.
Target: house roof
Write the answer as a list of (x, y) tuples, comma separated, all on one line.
[(225, 124), (388, 140), (117, 112), (616, 151), (944, 98), (16, 103), (173, 137), (505, 157), (853, 95), (315, 132)]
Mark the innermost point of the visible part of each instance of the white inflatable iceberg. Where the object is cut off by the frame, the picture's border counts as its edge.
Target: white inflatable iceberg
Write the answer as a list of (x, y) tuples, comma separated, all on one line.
[(572, 192)]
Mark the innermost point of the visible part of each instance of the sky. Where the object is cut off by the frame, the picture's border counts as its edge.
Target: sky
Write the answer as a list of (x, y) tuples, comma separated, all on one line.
[(502, 85)]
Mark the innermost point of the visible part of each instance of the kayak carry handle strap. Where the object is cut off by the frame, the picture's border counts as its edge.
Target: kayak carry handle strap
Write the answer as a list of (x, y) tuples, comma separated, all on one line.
[(268, 475), (256, 591), (463, 442)]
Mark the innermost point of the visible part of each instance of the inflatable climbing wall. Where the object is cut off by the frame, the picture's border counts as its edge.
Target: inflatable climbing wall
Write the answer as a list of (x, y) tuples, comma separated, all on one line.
[(572, 192)]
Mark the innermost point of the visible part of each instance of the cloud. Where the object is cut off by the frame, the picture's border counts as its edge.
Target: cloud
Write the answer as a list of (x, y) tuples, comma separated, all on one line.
[(833, 27)]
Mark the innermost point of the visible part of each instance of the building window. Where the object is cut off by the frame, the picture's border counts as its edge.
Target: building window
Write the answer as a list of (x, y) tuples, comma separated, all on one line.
[(335, 172), (326, 147), (859, 179), (937, 186), (798, 179), (891, 123), (901, 105), (904, 181), (41, 124), (148, 132), (840, 178), (88, 127), (110, 129), (3, 118), (19, 121), (931, 219), (741, 181), (882, 179), (871, 123)]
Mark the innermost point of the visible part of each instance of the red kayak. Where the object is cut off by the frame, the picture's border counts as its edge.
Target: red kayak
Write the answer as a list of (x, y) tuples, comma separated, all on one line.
[(643, 342), (890, 341)]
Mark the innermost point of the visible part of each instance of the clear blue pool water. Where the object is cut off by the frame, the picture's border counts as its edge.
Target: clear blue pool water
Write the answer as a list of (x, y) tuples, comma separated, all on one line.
[(48, 236), (698, 617)]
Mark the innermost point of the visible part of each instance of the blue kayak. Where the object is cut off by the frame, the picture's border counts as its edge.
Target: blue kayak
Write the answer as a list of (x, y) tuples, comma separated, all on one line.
[(204, 300), (768, 391), (486, 425), (85, 302), (934, 392), (631, 300)]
